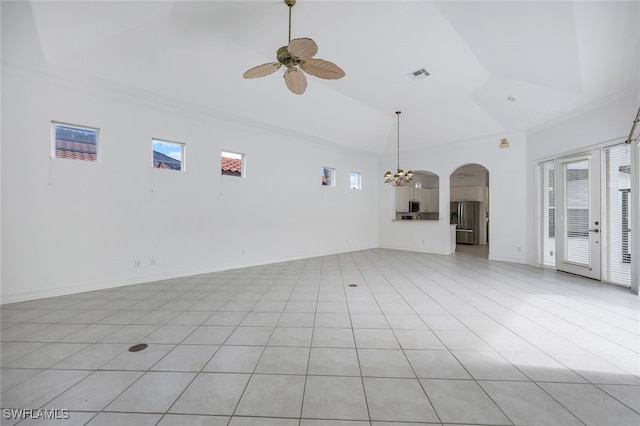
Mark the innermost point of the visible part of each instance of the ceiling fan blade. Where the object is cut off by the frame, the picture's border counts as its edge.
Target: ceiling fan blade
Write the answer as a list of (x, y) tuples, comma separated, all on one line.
[(295, 80), (302, 48), (322, 69), (262, 70)]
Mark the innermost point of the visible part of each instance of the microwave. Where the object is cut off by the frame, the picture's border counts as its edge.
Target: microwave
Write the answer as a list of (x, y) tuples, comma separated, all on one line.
[(414, 206)]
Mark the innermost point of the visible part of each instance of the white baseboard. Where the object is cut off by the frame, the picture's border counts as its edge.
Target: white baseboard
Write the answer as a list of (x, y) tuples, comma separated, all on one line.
[(102, 285)]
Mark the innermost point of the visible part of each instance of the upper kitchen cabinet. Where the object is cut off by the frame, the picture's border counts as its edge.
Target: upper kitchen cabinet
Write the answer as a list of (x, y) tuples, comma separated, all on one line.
[(425, 190), (434, 195), (403, 196), (467, 193), (428, 199)]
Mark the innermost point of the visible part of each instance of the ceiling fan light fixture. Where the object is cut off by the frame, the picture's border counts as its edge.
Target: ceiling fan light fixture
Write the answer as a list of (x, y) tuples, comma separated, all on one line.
[(297, 56)]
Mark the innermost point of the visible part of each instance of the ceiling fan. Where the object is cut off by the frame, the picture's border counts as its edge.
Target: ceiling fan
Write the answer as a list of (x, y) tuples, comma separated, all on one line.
[(298, 53)]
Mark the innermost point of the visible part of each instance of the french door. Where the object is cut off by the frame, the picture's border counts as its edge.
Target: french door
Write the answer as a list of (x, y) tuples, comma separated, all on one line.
[(577, 214), (584, 206)]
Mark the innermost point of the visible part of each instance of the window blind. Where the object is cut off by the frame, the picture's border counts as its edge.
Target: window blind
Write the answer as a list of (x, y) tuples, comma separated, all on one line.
[(577, 212), (617, 244), (546, 212)]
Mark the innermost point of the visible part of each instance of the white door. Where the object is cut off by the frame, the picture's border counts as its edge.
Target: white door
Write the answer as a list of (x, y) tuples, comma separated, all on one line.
[(578, 215)]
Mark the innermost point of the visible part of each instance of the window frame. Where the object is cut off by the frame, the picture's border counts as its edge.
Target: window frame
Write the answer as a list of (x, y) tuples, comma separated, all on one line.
[(332, 176), (358, 177), (183, 149), (54, 146), (243, 161)]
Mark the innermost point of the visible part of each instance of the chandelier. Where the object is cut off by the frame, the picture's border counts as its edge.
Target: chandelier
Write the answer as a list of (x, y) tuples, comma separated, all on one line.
[(400, 178)]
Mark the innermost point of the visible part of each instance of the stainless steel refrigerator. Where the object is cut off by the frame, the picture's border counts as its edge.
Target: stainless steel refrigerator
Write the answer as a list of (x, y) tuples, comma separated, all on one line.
[(466, 216)]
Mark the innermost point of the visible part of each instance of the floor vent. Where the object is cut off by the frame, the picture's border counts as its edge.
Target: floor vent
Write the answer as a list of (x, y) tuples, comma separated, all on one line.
[(138, 347)]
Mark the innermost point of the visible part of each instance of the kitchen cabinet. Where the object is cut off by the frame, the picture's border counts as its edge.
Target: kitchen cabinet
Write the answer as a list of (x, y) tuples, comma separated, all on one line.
[(402, 202), (475, 193), (404, 194), (421, 196), (434, 200), (458, 194), (428, 198), (467, 193)]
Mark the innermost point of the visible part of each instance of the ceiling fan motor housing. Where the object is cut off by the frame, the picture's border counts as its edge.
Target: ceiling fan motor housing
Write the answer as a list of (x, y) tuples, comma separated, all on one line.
[(285, 58)]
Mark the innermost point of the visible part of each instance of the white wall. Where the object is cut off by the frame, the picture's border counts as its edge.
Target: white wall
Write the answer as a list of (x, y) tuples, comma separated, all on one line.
[(507, 191), (70, 225)]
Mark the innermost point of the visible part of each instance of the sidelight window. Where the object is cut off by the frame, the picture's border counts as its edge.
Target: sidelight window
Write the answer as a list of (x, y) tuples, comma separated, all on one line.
[(617, 244)]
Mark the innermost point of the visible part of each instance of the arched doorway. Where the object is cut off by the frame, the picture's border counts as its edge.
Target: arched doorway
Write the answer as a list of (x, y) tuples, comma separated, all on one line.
[(469, 208)]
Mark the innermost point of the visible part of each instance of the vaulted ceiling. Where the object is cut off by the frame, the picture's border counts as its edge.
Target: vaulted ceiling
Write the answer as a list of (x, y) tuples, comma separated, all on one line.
[(555, 57)]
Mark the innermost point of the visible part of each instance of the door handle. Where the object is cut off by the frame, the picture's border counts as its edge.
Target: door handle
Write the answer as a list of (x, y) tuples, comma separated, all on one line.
[(594, 230)]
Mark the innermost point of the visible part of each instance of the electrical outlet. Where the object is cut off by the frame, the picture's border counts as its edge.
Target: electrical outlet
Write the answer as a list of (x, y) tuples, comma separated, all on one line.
[(136, 263), (153, 261)]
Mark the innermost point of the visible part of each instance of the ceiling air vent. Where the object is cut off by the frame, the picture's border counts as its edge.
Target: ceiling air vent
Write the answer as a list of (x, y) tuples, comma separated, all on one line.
[(421, 73)]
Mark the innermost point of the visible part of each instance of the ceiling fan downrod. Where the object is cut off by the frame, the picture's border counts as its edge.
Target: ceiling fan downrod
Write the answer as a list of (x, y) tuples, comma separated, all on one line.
[(290, 3)]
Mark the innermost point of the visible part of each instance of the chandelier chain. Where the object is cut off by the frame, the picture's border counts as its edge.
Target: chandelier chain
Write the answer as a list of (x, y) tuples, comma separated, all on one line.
[(398, 140)]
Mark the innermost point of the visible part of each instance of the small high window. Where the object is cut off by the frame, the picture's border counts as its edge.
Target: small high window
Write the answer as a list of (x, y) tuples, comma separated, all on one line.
[(232, 164), (328, 176), (168, 155), (75, 142), (356, 180)]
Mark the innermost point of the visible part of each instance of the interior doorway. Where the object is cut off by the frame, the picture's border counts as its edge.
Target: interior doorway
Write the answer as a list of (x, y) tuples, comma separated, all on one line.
[(469, 208)]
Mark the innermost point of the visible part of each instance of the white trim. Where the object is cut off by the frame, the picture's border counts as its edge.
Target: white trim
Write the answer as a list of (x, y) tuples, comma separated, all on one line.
[(635, 219), (107, 285)]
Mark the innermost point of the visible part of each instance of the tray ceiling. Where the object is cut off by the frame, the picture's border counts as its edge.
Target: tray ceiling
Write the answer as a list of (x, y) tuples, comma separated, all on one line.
[(555, 57)]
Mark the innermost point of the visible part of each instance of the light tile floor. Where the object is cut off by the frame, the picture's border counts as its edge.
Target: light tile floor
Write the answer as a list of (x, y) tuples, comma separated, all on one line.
[(422, 339)]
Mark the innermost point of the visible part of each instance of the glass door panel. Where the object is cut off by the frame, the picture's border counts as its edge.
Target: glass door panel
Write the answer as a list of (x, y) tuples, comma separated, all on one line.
[(578, 215)]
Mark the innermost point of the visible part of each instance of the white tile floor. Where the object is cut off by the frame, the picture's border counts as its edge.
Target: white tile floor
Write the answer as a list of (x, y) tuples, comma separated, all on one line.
[(422, 339)]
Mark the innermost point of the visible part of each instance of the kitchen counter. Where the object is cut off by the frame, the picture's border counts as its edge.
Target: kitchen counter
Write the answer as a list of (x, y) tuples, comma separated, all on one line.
[(415, 220), (428, 236), (417, 217)]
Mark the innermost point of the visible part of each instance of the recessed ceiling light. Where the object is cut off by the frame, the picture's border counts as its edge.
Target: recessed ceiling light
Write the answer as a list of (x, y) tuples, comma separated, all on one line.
[(512, 98)]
